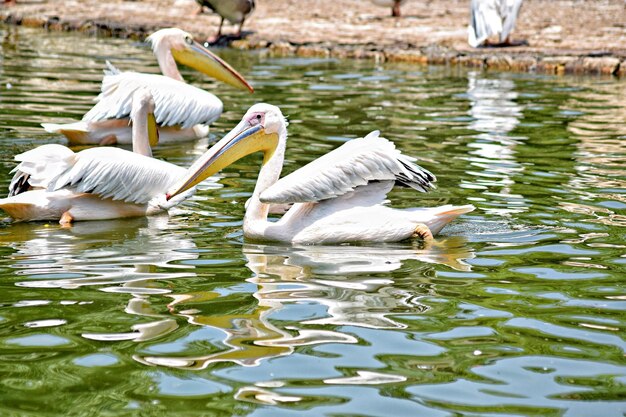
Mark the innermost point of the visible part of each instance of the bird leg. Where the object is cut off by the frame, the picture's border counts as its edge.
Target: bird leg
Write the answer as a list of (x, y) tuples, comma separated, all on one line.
[(240, 26), (66, 219), (423, 232), (214, 40), (395, 10), (219, 29)]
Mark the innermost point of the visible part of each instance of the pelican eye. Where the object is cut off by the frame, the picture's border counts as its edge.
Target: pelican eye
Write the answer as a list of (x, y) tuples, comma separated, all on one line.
[(255, 119), (188, 39)]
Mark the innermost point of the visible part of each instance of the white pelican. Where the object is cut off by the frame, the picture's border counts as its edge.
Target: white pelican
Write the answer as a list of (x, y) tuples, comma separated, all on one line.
[(492, 17), (394, 4), (235, 11), (337, 198), (183, 111), (54, 183)]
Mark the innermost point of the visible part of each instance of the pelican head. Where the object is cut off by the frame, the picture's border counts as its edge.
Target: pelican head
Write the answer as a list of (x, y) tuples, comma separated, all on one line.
[(262, 129), (175, 44)]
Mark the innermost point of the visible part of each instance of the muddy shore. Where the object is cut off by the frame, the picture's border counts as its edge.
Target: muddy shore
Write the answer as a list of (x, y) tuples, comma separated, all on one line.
[(564, 36)]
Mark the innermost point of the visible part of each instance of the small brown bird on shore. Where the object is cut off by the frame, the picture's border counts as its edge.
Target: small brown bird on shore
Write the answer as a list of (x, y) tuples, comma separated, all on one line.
[(235, 11), (394, 4)]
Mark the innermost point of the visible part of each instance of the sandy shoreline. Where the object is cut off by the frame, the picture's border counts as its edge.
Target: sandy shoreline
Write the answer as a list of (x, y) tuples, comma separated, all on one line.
[(564, 36)]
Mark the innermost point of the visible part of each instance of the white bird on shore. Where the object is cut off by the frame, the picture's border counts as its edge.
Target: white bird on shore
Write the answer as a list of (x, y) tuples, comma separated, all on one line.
[(490, 18), (394, 4), (235, 11), (337, 198), (183, 112), (52, 182)]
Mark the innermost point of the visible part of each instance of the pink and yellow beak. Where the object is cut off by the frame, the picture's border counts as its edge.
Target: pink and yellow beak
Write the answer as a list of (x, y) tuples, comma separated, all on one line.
[(198, 57), (241, 141), (153, 131)]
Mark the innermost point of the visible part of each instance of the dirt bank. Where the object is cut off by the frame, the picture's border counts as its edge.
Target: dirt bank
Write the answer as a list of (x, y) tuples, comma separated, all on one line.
[(564, 36)]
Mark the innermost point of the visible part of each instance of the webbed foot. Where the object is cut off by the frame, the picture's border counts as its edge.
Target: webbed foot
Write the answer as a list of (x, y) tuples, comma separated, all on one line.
[(423, 232), (66, 219)]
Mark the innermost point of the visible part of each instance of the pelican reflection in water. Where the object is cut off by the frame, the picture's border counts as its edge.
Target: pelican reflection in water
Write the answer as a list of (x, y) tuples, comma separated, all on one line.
[(496, 112), (126, 257), (336, 278), (337, 198), (183, 112), (150, 259)]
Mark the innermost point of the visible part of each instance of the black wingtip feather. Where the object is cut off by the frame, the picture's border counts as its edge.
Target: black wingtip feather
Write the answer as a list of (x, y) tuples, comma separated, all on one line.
[(19, 185), (423, 180)]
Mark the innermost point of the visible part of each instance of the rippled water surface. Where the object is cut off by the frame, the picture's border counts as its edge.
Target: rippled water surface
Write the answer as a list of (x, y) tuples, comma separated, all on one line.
[(517, 309)]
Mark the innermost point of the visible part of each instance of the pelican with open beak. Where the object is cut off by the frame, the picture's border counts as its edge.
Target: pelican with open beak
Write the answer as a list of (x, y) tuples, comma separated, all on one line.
[(183, 112), (337, 198), (51, 182)]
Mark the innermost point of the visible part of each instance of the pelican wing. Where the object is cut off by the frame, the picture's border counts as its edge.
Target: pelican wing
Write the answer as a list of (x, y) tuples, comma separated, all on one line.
[(38, 166), (485, 20), (118, 174), (508, 10), (355, 163), (176, 103)]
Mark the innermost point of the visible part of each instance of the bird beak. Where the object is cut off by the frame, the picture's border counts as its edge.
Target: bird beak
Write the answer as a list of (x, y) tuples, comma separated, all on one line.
[(205, 61), (239, 142), (153, 131)]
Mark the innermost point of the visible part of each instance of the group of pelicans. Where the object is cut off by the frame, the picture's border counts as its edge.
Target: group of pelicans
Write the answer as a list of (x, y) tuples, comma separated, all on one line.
[(487, 17), (340, 197)]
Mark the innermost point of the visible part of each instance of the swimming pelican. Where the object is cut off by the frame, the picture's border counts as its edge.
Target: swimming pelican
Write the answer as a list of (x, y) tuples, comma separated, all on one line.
[(394, 4), (337, 198), (52, 182), (235, 11), (182, 111), (492, 17)]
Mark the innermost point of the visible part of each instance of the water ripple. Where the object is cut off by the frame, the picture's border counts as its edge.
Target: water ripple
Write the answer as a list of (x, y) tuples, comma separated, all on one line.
[(517, 308)]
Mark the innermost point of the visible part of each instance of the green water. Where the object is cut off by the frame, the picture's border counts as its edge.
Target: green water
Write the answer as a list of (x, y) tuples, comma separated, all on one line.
[(517, 309)]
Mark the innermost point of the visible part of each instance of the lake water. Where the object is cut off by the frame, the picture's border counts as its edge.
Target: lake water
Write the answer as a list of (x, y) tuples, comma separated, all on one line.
[(517, 309)]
